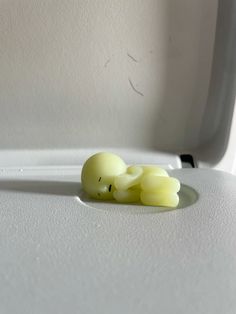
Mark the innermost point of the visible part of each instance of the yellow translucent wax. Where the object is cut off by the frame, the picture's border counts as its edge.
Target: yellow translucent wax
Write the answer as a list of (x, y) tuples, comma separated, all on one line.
[(105, 176), (156, 183), (130, 178), (161, 198), (98, 175), (134, 175), (127, 196), (155, 170)]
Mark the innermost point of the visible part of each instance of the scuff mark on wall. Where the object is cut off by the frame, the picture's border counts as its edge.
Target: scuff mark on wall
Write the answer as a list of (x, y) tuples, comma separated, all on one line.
[(106, 63), (134, 89), (132, 58)]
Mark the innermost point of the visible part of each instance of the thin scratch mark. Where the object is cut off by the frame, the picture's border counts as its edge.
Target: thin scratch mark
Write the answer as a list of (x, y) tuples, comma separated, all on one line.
[(132, 58), (106, 63), (136, 91)]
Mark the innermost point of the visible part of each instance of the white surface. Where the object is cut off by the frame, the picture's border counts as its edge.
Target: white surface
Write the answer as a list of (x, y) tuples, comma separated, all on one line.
[(65, 70), (59, 255), (219, 124), (227, 162), (15, 159)]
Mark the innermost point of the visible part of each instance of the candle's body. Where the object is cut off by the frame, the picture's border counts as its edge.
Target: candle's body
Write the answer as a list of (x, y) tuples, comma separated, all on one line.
[(159, 199), (154, 183), (105, 176)]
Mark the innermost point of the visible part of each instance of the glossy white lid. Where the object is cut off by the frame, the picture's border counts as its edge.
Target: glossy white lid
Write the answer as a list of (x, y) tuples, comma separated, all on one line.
[(63, 254)]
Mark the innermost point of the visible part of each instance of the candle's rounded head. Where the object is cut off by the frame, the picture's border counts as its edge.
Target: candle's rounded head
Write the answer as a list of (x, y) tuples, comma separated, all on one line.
[(98, 174)]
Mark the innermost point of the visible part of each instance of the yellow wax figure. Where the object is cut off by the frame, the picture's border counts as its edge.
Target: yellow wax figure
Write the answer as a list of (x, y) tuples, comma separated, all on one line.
[(105, 176)]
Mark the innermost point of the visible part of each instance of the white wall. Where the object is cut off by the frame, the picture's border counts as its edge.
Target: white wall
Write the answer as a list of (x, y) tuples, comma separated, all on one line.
[(66, 72)]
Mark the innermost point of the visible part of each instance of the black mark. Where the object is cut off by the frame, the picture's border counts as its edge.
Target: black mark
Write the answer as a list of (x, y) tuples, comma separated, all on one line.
[(99, 179), (187, 161), (131, 57), (136, 91), (106, 63), (99, 194), (110, 188)]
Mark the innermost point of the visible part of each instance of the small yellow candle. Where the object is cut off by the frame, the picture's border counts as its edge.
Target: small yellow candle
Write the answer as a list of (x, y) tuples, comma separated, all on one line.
[(105, 176)]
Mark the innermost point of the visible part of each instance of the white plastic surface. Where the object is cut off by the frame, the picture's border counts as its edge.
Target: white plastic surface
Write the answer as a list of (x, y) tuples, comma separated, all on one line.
[(60, 255), (17, 160), (207, 157)]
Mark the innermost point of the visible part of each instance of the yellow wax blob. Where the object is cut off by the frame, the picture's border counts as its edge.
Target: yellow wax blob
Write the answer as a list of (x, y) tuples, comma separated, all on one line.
[(105, 176)]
